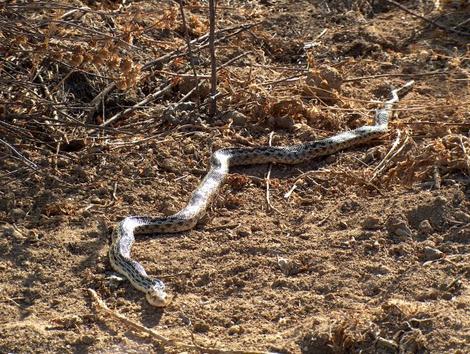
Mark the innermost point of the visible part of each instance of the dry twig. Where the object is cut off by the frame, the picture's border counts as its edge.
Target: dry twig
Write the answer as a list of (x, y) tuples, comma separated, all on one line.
[(190, 52), (175, 54), (138, 328), (147, 99), (437, 24), (388, 158), (378, 76), (20, 156), (213, 98), (379, 167), (190, 93)]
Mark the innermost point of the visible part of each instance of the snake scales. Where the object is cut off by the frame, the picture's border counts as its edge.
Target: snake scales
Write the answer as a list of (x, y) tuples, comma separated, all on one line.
[(221, 161)]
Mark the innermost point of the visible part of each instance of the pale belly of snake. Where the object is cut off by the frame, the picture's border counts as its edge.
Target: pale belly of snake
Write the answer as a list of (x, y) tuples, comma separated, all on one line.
[(221, 161)]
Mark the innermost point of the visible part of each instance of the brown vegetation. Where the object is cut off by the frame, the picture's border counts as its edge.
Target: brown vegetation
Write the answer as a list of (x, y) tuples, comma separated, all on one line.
[(102, 116)]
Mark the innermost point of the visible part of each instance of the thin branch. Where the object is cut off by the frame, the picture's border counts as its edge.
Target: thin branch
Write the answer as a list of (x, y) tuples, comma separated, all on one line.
[(385, 163), (386, 159), (179, 53), (147, 99), (20, 156), (190, 52), (213, 99), (95, 103), (194, 89), (432, 73), (138, 328), (437, 24)]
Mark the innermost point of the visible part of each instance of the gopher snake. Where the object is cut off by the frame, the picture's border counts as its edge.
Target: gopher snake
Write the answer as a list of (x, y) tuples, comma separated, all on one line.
[(221, 160)]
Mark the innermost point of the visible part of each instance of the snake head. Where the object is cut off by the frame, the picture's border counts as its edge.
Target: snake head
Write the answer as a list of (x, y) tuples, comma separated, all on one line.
[(156, 295)]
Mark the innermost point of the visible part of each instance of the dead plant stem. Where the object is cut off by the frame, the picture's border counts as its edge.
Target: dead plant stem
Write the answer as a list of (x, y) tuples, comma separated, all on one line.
[(213, 98), (190, 52)]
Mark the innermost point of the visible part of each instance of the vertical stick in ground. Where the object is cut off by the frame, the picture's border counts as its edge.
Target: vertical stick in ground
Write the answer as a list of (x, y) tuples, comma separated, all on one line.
[(190, 52), (213, 102)]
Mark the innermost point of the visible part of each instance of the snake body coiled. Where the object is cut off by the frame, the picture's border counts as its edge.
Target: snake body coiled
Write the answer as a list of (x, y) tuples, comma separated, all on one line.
[(221, 161)]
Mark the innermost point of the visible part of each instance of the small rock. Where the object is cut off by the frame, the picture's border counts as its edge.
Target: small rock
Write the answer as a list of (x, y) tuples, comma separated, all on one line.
[(379, 269), (237, 118), (129, 198), (343, 225), (372, 223), (17, 214), (431, 254), (86, 340), (7, 202), (169, 165), (283, 122), (148, 172), (425, 227), (403, 232), (287, 266), (235, 329), (256, 228), (201, 327), (398, 227), (244, 232)]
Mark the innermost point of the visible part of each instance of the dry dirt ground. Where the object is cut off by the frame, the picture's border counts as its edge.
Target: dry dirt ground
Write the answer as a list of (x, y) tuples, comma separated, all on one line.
[(368, 253)]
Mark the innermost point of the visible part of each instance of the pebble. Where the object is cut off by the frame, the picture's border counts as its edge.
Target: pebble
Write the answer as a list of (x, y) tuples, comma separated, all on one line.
[(235, 329), (398, 227), (244, 232), (431, 254), (342, 225), (169, 165), (7, 202), (284, 122), (372, 223), (379, 269), (237, 118), (86, 340), (17, 214), (425, 227), (403, 232), (287, 266), (201, 327)]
